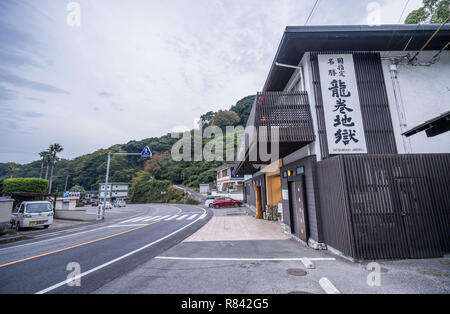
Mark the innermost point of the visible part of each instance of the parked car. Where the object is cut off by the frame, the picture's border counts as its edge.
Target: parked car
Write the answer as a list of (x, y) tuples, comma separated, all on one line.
[(225, 202), (119, 203), (94, 204), (32, 214), (209, 201), (107, 205)]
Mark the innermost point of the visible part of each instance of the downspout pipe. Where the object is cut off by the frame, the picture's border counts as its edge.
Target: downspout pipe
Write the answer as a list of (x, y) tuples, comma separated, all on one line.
[(400, 108)]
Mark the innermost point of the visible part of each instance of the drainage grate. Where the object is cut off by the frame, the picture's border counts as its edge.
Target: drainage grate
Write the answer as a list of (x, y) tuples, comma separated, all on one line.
[(296, 272)]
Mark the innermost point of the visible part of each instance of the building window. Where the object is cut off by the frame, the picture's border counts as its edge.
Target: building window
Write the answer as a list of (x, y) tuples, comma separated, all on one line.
[(300, 170)]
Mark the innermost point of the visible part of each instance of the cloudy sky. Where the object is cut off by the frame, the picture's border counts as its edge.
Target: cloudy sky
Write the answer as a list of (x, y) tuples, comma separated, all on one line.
[(140, 68)]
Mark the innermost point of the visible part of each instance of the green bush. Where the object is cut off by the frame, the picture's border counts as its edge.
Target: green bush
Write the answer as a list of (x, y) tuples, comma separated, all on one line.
[(79, 204), (25, 185), (191, 201)]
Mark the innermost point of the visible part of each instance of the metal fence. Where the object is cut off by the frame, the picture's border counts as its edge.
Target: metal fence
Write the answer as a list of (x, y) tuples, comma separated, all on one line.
[(386, 206)]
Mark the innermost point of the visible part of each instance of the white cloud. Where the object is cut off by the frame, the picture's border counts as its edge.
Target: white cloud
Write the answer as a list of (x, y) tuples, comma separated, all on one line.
[(137, 69)]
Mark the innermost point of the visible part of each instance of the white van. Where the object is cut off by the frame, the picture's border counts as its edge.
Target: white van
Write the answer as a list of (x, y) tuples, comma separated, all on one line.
[(32, 214)]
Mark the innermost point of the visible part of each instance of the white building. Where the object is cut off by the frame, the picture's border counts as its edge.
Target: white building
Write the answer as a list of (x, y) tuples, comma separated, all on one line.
[(116, 190)]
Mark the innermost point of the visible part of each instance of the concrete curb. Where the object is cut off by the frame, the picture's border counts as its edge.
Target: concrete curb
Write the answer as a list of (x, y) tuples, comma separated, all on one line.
[(14, 239)]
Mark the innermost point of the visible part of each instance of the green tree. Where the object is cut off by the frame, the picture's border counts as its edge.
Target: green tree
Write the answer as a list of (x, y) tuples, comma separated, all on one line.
[(43, 158), (53, 150), (243, 108), (78, 188), (12, 169), (225, 118), (46, 157), (432, 11), (205, 119)]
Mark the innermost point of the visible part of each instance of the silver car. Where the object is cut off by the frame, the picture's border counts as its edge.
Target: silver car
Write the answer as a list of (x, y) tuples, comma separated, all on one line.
[(32, 214), (210, 200)]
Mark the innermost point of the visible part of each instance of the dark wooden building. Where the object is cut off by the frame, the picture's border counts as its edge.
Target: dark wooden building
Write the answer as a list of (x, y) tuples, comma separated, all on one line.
[(339, 100)]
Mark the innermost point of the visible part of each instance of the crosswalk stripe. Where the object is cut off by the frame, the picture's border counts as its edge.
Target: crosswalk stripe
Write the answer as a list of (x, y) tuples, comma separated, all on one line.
[(181, 217), (170, 218), (151, 218), (130, 220), (192, 217), (140, 218), (161, 218)]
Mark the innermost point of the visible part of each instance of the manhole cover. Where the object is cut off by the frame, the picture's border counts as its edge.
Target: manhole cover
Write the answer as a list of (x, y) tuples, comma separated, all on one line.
[(299, 292), (296, 272)]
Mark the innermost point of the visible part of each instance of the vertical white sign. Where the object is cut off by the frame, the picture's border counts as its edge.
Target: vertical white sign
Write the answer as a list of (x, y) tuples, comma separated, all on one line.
[(341, 106)]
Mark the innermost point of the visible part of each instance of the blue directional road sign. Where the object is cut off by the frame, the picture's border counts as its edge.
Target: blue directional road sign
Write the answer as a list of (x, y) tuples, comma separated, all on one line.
[(146, 152)]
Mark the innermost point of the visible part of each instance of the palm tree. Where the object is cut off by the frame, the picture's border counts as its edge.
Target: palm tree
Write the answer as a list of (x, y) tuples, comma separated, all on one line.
[(53, 150), (46, 158), (43, 158), (12, 169)]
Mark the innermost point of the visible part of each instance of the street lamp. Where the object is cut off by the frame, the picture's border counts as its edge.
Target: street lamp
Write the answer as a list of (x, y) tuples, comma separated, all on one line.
[(145, 153)]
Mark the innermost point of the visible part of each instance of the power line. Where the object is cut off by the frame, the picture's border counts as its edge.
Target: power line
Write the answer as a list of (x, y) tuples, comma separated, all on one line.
[(311, 13), (403, 12)]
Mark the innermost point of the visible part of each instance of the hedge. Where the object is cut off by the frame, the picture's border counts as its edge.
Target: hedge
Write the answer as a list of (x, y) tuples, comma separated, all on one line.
[(25, 185)]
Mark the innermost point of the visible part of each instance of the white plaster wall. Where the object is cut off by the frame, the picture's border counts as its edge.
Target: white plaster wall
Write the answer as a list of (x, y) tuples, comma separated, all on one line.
[(5, 210), (425, 92)]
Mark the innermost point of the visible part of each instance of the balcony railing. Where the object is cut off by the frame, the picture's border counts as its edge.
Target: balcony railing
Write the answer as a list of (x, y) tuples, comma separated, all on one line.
[(282, 115)]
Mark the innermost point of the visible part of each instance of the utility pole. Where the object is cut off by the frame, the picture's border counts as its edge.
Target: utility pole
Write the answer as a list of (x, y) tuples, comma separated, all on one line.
[(145, 153)]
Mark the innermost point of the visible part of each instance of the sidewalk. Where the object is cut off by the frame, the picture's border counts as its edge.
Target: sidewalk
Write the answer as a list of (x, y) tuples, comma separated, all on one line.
[(238, 228)]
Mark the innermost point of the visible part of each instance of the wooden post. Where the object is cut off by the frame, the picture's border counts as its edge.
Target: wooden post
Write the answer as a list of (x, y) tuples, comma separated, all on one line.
[(258, 202)]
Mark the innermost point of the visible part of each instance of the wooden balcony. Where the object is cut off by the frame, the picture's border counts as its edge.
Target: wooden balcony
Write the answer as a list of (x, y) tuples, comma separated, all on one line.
[(285, 113)]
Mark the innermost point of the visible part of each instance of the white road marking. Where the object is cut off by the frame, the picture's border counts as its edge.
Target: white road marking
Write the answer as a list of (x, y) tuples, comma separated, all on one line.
[(202, 216), (170, 218), (239, 258), (115, 260), (181, 217), (139, 218), (161, 218), (327, 286), (133, 225), (192, 217), (307, 263), (151, 218)]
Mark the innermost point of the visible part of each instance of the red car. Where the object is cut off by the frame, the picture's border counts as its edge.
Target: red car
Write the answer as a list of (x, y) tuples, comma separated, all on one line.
[(225, 202), (95, 204)]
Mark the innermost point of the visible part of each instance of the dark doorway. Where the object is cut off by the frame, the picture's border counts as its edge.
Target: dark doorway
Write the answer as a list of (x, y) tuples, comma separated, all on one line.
[(299, 225)]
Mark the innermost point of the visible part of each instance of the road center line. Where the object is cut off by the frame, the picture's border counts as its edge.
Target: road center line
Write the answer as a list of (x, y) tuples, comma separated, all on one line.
[(115, 260)]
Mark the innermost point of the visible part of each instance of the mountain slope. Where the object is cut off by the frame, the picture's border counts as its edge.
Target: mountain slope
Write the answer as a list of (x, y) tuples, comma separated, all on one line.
[(89, 170)]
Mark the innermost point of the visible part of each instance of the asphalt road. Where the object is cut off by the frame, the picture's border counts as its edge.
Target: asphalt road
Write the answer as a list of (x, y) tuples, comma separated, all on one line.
[(96, 254)]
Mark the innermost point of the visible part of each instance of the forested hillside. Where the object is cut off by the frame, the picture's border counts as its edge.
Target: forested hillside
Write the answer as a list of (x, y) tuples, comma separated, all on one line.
[(88, 170)]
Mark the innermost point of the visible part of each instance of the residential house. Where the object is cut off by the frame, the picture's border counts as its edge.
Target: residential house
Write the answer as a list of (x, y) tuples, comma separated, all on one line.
[(116, 190)]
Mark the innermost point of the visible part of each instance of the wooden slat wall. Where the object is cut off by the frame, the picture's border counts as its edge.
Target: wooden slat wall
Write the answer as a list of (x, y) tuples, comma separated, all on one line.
[(397, 206), (287, 110)]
